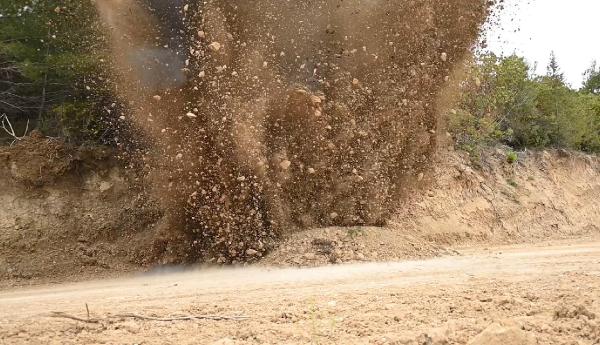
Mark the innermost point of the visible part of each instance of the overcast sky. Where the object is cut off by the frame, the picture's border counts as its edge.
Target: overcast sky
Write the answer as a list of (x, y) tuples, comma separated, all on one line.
[(534, 28)]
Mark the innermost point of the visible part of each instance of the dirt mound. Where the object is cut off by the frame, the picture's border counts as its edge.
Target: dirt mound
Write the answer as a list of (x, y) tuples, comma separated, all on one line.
[(318, 247), (267, 116), (497, 334), (36, 160)]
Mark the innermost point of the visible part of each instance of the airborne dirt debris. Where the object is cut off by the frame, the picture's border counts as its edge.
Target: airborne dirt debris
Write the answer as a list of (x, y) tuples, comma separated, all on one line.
[(299, 114)]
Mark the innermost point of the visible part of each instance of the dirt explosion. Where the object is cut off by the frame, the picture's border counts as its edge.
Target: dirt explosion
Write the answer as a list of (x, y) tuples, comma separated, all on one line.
[(269, 115)]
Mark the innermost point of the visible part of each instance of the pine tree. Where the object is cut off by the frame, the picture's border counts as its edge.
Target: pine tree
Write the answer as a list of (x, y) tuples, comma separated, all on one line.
[(50, 54), (553, 69)]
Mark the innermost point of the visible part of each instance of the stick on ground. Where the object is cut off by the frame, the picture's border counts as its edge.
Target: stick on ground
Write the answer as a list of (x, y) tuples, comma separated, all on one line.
[(150, 318)]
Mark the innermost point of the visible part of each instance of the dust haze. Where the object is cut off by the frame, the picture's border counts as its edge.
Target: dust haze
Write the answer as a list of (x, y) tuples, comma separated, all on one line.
[(267, 116)]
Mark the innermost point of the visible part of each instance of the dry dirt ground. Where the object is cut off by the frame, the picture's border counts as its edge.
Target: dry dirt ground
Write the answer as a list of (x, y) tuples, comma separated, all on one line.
[(543, 294)]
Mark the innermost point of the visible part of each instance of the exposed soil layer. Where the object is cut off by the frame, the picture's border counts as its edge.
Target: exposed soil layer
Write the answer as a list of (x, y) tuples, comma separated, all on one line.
[(93, 219), (546, 195), (69, 213)]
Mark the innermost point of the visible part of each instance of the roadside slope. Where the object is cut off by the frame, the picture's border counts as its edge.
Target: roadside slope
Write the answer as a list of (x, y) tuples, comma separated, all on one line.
[(74, 214), (545, 195)]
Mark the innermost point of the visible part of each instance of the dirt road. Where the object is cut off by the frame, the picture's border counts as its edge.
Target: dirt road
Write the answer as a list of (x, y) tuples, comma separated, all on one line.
[(548, 294)]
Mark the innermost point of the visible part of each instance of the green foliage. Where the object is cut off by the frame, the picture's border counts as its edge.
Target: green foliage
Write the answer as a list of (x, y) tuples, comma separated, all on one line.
[(50, 63), (472, 132), (591, 83), (512, 157), (502, 101), (77, 120)]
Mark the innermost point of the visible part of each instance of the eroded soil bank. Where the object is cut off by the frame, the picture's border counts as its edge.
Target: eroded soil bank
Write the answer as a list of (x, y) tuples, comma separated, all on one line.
[(75, 213)]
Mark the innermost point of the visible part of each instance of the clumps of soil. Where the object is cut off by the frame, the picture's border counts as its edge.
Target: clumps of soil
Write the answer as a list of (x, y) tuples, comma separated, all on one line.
[(268, 116), (573, 312), (336, 245), (504, 333), (37, 160)]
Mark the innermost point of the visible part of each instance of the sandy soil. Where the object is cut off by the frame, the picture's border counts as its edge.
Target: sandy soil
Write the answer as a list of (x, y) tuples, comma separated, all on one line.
[(546, 294)]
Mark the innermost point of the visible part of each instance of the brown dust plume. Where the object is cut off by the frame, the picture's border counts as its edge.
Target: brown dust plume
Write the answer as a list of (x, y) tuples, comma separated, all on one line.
[(266, 116)]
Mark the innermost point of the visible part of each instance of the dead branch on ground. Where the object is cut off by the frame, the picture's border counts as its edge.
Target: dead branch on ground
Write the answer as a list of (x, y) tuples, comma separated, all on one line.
[(150, 318)]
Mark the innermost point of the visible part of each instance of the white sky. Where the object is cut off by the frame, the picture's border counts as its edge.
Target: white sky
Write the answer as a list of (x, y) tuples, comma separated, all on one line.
[(534, 28)]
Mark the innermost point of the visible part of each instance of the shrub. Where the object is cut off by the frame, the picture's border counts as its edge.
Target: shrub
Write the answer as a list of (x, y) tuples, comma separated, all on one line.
[(512, 157)]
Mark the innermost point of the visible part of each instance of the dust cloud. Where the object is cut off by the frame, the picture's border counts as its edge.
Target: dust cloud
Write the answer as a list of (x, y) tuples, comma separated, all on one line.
[(267, 116)]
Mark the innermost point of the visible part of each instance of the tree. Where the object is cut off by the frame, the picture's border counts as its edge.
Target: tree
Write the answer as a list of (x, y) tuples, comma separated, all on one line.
[(553, 69), (591, 83), (50, 54), (502, 101)]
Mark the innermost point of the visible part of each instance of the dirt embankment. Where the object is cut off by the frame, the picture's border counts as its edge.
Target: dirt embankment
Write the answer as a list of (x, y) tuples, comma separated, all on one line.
[(70, 214), (545, 195)]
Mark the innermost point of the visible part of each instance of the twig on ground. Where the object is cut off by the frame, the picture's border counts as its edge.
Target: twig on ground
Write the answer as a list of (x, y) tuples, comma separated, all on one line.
[(184, 318), (150, 318), (62, 315)]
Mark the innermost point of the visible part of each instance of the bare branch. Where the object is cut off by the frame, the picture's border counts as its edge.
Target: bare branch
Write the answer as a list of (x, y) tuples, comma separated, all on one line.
[(8, 128), (11, 105)]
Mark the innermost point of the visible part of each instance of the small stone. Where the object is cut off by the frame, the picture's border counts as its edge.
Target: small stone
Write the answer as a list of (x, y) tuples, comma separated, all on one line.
[(157, 97), (333, 215), (355, 82), (444, 57), (191, 115), (201, 34), (179, 156), (251, 252), (311, 171), (285, 165), (202, 74), (315, 99), (215, 46)]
